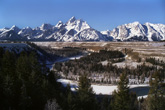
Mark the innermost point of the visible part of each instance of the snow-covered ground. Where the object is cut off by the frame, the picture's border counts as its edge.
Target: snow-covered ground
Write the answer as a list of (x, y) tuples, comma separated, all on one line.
[(105, 89), (104, 62), (127, 62), (130, 64)]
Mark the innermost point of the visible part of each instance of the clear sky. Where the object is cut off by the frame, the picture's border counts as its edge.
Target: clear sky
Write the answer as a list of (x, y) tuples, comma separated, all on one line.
[(99, 14)]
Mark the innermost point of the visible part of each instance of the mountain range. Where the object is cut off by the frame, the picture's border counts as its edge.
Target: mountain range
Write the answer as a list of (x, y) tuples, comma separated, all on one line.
[(78, 30)]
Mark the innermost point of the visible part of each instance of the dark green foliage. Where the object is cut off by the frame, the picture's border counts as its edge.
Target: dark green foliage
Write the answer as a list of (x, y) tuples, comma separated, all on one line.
[(86, 98), (155, 62), (24, 84), (122, 99), (8, 63), (92, 64), (105, 103), (46, 55), (156, 99), (133, 101), (58, 66), (102, 56)]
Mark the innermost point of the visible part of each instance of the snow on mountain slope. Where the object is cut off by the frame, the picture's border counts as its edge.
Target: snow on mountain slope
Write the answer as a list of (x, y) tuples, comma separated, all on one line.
[(9, 32), (15, 28), (46, 27), (59, 24), (73, 30), (78, 30), (107, 32), (77, 25), (138, 32), (9, 35), (26, 32), (155, 31), (91, 35)]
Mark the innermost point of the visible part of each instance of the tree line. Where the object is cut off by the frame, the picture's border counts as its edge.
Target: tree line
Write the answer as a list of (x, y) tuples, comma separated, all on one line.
[(26, 84), (99, 73)]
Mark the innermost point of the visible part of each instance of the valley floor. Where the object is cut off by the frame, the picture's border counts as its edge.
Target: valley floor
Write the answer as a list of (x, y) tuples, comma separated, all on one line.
[(145, 49)]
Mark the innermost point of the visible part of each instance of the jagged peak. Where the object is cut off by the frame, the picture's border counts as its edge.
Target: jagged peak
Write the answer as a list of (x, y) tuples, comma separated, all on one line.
[(77, 24), (27, 27), (136, 22), (72, 19), (148, 23), (46, 26), (14, 27), (59, 24)]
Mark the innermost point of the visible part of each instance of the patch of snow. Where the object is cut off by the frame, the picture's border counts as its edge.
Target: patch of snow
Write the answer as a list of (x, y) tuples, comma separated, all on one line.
[(98, 89), (104, 62), (144, 96), (65, 82), (128, 64)]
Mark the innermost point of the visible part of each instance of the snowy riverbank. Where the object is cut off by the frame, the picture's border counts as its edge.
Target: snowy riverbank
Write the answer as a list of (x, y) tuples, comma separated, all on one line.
[(141, 89)]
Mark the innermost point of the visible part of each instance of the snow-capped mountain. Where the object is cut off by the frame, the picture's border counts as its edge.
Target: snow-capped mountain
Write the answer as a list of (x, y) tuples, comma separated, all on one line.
[(10, 33), (73, 30), (138, 32), (77, 25), (78, 30)]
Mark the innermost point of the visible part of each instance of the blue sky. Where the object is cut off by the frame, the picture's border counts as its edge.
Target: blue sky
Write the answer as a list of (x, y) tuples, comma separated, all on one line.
[(99, 14)]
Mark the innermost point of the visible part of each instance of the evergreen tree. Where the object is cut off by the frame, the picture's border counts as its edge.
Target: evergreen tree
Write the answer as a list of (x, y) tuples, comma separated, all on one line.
[(24, 84), (8, 63), (156, 96), (70, 98), (133, 101), (105, 103), (32, 81), (122, 98), (1, 78), (1, 56), (86, 98), (8, 79)]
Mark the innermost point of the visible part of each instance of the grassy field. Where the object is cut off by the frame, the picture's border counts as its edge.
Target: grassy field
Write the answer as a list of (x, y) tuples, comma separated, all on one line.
[(141, 49)]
